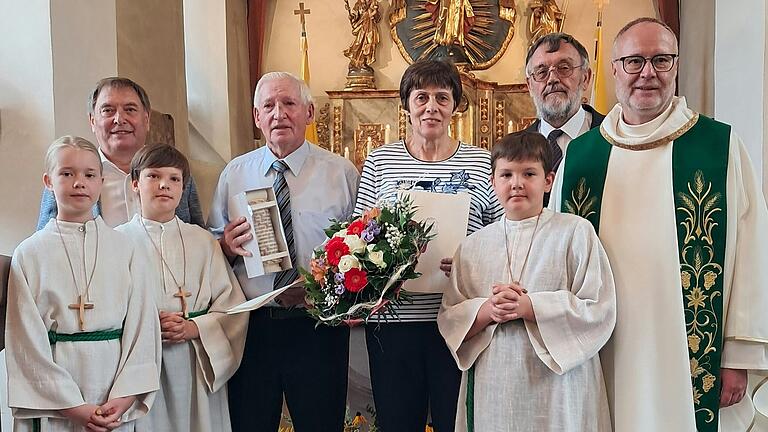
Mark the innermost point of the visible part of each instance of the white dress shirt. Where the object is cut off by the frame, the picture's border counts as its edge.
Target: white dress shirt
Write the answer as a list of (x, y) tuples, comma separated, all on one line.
[(323, 186), (118, 200), (575, 126)]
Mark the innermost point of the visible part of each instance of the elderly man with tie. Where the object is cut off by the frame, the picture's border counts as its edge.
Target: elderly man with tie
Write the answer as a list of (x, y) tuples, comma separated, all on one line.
[(311, 186)]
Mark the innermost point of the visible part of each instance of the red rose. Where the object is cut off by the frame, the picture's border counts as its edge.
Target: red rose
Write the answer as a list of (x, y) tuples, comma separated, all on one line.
[(356, 227), (335, 249), (355, 280)]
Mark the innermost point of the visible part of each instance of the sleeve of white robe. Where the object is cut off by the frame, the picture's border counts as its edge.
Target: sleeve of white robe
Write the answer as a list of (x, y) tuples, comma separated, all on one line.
[(138, 373), (37, 386), (222, 337), (458, 312), (746, 323), (573, 323)]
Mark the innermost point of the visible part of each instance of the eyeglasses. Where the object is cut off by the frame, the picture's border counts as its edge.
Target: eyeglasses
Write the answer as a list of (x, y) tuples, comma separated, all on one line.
[(563, 70), (634, 64)]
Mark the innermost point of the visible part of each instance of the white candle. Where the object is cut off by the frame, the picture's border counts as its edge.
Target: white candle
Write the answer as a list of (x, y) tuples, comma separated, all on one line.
[(386, 134), (346, 152), (510, 126), (331, 145), (368, 146)]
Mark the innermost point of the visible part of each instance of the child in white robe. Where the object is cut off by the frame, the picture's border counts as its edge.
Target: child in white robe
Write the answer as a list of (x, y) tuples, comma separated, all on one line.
[(530, 305), (194, 284), (83, 343)]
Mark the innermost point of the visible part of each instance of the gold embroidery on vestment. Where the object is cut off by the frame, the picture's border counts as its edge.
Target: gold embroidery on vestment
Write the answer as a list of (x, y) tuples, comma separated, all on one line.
[(653, 144), (698, 274), (582, 202)]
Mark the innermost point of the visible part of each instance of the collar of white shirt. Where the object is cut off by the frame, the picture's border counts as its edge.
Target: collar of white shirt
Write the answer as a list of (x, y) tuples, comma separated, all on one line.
[(572, 128), (295, 160)]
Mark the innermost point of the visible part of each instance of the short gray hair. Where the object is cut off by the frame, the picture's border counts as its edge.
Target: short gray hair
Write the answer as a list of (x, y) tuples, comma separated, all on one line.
[(304, 92), (552, 41)]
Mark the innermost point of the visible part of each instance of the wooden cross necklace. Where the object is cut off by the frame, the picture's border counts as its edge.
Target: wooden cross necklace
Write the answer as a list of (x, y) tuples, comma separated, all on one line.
[(83, 297), (510, 257), (180, 293)]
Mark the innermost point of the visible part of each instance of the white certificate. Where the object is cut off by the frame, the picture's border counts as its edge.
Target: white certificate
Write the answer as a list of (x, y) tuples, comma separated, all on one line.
[(261, 300), (450, 212)]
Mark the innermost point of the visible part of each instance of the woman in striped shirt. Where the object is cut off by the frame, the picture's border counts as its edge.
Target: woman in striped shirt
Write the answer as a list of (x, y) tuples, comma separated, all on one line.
[(412, 371)]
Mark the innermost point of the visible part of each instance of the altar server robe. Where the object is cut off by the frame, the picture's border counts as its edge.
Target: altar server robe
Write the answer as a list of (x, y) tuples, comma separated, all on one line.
[(533, 376), (45, 378), (193, 394)]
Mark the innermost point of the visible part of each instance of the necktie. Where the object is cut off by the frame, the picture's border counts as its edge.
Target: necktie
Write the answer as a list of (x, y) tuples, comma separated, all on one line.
[(283, 197), (557, 152)]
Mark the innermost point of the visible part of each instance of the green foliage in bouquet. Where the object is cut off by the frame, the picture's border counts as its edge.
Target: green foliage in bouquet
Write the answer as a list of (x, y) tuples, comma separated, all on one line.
[(359, 269)]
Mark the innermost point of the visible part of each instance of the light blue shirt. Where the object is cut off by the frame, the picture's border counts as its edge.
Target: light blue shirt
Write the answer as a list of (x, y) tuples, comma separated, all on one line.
[(323, 186)]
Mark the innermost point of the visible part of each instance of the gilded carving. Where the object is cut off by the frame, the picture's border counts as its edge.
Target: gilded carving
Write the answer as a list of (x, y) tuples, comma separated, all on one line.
[(323, 133), (364, 17), (471, 32), (546, 17), (499, 120), (336, 147), (368, 136), (401, 123)]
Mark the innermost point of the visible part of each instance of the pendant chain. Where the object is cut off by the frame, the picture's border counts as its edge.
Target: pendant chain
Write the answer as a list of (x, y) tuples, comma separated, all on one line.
[(510, 257), (162, 258), (87, 279)]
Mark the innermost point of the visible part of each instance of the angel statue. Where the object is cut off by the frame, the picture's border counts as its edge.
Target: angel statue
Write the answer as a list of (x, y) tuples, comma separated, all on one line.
[(364, 17), (546, 17)]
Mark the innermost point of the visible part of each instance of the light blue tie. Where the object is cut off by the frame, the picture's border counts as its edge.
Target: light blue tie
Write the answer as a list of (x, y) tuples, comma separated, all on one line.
[(283, 196)]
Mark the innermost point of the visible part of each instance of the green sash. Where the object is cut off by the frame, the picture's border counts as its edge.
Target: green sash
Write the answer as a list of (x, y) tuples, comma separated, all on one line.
[(196, 314), (54, 337), (95, 336), (699, 171)]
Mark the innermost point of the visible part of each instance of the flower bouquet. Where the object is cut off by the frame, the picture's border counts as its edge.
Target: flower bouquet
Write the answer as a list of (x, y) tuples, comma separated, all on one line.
[(360, 268)]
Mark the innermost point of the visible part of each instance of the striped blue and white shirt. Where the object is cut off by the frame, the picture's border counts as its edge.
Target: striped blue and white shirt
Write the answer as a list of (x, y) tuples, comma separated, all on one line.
[(391, 168)]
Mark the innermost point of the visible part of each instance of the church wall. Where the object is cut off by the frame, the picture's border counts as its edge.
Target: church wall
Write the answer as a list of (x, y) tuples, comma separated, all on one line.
[(206, 71), (740, 84), (329, 33), (218, 88), (218, 92), (150, 49), (43, 90)]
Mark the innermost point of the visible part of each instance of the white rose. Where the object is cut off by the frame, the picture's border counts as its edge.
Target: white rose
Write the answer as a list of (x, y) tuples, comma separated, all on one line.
[(342, 233), (348, 262), (377, 257), (355, 243)]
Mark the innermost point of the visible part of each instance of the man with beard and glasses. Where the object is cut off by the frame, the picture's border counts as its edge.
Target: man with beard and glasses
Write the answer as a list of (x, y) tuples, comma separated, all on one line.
[(558, 73)]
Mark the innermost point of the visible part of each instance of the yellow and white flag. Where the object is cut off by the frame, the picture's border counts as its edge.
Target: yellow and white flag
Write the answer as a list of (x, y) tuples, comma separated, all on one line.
[(311, 132)]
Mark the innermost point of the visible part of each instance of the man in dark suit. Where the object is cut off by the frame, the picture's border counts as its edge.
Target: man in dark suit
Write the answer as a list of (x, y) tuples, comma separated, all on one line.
[(557, 72)]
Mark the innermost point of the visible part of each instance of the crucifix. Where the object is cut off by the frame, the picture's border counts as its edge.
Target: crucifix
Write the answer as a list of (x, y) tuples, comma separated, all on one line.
[(80, 307), (301, 12), (181, 295)]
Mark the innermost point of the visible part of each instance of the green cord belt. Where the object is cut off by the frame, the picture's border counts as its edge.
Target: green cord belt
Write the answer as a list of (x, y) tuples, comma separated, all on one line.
[(103, 335)]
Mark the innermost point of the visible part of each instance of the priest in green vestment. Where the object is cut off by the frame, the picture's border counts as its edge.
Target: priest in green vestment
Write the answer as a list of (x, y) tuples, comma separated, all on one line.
[(676, 202)]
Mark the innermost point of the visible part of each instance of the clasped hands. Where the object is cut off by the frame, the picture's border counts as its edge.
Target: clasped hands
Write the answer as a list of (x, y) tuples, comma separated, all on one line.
[(509, 302), (175, 329), (100, 418)]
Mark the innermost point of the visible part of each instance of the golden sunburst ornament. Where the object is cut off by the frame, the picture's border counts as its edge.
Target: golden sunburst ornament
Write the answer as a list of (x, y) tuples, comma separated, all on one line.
[(470, 32)]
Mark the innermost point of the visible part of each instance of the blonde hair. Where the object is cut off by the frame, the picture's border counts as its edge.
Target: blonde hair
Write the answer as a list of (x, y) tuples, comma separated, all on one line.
[(68, 141)]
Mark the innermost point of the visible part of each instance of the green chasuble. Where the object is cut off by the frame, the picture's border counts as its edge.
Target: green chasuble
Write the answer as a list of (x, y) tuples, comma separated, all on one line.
[(699, 173)]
